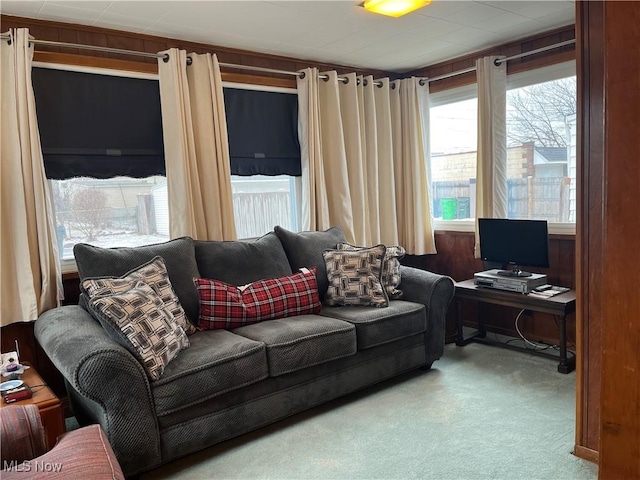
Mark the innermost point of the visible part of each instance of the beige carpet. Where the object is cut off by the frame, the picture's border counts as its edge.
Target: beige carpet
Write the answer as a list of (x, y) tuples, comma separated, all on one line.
[(481, 413)]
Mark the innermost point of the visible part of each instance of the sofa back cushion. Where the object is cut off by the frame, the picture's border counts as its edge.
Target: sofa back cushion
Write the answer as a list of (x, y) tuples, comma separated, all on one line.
[(178, 255), (304, 250), (242, 262)]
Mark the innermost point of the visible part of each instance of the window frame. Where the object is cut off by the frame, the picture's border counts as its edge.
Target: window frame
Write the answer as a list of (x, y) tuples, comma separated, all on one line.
[(69, 266), (517, 80), (296, 182)]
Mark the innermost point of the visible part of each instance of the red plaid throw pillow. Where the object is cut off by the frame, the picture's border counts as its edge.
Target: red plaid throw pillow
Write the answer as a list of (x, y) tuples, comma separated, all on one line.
[(227, 306)]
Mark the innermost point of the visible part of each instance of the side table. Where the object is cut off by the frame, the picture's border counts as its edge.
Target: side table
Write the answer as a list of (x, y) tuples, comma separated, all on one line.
[(560, 306), (48, 404)]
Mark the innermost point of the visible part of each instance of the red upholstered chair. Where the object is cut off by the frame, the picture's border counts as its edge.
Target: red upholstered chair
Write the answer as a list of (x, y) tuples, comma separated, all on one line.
[(82, 453)]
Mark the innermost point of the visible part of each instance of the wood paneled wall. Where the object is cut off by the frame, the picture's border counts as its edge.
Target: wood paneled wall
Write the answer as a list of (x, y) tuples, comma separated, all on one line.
[(455, 258), (609, 236), (620, 282)]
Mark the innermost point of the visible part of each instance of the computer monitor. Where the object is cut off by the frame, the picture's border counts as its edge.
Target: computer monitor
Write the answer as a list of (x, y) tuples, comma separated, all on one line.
[(514, 243)]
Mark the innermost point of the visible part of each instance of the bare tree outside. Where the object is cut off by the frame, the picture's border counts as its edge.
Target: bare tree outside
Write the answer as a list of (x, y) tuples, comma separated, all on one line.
[(537, 113), (89, 211)]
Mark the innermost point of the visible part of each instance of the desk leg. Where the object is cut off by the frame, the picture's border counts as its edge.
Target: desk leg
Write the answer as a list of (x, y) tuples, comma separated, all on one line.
[(565, 365), (460, 340), (459, 335)]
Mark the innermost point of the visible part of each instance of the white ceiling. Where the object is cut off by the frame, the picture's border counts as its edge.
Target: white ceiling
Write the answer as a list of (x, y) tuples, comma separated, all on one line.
[(333, 31)]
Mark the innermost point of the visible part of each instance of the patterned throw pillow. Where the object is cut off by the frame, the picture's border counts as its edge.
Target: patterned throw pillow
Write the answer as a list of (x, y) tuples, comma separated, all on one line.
[(154, 274), (227, 306), (390, 268), (148, 330), (354, 277)]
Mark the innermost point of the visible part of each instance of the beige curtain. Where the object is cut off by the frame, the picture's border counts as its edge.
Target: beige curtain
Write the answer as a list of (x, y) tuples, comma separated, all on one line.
[(351, 156), (410, 118), (196, 147), (491, 184), (30, 280)]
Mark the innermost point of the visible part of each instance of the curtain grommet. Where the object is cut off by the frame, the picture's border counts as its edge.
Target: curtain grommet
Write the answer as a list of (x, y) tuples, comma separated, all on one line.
[(346, 80), (422, 82), (165, 59), (301, 75), (379, 84), (365, 82), (393, 85)]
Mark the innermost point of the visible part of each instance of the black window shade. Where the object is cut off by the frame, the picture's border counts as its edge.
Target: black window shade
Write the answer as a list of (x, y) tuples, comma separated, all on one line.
[(263, 132), (98, 126)]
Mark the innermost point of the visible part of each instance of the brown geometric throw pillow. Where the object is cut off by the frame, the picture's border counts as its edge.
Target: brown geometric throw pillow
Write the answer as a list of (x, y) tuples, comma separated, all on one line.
[(354, 277), (154, 274), (148, 330)]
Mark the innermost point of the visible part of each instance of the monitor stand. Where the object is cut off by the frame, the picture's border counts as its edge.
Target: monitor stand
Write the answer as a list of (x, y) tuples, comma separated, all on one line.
[(514, 272)]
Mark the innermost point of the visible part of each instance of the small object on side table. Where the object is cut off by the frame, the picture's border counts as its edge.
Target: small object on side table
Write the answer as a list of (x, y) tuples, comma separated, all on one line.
[(16, 394)]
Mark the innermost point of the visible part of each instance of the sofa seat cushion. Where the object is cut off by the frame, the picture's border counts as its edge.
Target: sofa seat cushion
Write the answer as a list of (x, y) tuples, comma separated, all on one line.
[(376, 326), (299, 342), (217, 362)]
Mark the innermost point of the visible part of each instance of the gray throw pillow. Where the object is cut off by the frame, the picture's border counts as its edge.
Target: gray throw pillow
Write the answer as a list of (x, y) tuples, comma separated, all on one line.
[(304, 250), (178, 255), (242, 262)]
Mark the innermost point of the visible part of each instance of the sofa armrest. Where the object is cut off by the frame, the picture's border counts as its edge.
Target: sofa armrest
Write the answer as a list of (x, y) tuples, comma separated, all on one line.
[(108, 382), (21, 433), (435, 292), (82, 453)]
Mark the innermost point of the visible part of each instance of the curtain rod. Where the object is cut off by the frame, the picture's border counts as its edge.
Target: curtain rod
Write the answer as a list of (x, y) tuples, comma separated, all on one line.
[(499, 61), (165, 56)]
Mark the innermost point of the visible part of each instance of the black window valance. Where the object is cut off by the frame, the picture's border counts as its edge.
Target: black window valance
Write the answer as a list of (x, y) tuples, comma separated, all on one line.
[(263, 132), (98, 126)]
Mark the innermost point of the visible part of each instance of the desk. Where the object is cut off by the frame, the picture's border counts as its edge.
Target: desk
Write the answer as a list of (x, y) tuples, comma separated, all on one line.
[(559, 306)]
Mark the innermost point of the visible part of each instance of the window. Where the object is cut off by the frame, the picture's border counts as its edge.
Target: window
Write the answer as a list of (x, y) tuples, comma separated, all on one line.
[(454, 131), (541, 150), (262, 124), (116, 212), (541, 136), (101, 136), (261, 202)]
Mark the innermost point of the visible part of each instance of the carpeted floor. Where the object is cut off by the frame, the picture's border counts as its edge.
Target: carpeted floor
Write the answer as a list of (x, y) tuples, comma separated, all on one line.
[(481, 413)]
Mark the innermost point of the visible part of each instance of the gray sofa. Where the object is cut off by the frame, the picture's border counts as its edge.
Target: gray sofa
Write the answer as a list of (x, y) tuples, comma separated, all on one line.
[(228, 383)]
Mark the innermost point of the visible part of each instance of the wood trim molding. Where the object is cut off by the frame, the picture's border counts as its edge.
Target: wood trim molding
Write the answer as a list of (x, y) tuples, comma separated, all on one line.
[(551, 57), (585, 453), (589, 227), (89, 35)]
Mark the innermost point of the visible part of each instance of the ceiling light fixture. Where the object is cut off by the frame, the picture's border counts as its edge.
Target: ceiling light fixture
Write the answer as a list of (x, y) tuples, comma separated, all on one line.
[(394, 8)]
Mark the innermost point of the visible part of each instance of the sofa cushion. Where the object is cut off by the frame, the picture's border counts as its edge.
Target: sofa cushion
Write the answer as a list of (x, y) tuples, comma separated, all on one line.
[(390, 277), (178, 255), (354, 277), (227, 306), (299, 342), (141, 323), (376, 326), (154, 274), (305, 249), (216, 362), (241, 262)]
